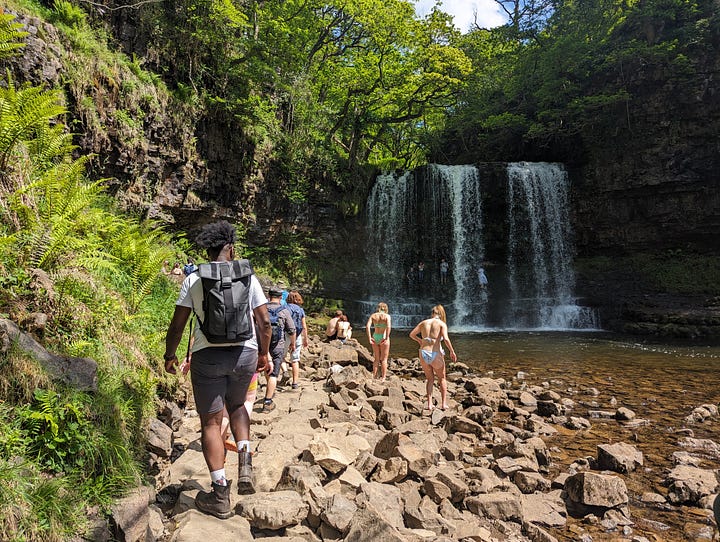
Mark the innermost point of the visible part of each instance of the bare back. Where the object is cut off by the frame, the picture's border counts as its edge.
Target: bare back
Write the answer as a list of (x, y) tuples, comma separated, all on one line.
[(431, 331)]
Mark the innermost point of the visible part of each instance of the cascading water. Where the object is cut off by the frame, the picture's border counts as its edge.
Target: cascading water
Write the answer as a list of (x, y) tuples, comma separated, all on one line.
[(436, 212), (539, 252)]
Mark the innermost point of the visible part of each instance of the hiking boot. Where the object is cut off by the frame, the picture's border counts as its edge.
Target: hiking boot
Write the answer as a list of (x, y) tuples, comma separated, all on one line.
[(268, 407), (246, 483), (215, 502)]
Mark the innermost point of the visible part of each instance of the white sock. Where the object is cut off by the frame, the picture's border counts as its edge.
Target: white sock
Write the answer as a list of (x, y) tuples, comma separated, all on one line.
[(243, 443), (218, 477)]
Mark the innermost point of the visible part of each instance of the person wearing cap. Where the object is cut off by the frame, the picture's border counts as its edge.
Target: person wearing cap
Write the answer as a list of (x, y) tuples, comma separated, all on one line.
[(287, 328), (221, 372)]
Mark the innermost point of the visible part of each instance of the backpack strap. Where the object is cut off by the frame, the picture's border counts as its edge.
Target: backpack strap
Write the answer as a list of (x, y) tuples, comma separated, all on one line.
[(218, 271), (226, 281)]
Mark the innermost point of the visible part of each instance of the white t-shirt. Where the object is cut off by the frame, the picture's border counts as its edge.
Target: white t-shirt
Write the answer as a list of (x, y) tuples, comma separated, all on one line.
[(191, 296)]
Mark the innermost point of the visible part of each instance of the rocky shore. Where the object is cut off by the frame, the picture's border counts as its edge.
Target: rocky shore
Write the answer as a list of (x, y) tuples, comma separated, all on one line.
[(350, 458)]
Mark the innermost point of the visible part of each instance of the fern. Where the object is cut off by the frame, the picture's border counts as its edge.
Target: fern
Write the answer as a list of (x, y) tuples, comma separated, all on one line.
[(11, 35), (25, 115)]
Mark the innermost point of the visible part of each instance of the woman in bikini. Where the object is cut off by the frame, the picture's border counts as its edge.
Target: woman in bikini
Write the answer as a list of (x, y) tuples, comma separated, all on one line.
[(379, 338), (430, 334)]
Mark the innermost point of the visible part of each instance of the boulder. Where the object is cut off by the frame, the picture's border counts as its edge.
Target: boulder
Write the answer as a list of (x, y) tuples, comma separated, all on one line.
[(504, 506), (79, 373), (688, 484), (591, 489), (273, 510), (339, 513), (131, 514), (619, 457), (159, 438)]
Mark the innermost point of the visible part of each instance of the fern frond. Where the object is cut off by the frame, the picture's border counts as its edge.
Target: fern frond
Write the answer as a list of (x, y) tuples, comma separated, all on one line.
[(24, 114), (11, 35), (51, 144)]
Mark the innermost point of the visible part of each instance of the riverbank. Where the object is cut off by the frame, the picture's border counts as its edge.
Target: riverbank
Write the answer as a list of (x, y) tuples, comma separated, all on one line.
[(350, 458), (656, 295)]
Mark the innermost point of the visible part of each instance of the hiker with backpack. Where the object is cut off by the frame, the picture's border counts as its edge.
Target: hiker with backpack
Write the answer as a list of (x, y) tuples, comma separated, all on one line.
[(190, 267), (283, 329), (294, 302), (228, 303)]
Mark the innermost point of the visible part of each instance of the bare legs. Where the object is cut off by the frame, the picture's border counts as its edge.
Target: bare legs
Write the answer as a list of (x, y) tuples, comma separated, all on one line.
[(213, 446), (240, 423), (384, 353), (380, 358), (376, 359), (435, 369)]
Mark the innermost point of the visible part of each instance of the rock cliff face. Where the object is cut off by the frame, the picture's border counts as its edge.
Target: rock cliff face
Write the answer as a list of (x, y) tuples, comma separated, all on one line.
[(654, 184)]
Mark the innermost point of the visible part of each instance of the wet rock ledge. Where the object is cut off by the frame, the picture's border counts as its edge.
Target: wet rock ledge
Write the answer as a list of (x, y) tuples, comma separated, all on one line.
[(350, 458)]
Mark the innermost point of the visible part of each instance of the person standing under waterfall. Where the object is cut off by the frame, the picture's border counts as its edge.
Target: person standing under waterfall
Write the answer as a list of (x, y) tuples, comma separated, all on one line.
[(379, 338), (444, 267), (430, 334), (482, 279)]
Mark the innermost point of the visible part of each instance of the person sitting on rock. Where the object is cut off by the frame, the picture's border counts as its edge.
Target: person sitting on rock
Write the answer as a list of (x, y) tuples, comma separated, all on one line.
[(331, 330)]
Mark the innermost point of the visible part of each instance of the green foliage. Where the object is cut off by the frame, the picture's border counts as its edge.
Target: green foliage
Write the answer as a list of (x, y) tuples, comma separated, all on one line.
[(11, 35), (24, 118), (108, 300), (67, 13), (33, 506), (59, 433), (574, 75), (674, 271)]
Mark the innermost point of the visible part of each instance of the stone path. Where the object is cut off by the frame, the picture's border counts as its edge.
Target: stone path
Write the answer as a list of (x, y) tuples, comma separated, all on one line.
[(278, 438), (349, 458)]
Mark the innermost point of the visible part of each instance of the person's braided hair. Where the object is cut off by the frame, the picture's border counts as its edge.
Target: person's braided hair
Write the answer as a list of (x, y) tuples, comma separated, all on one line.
[(216, 235)]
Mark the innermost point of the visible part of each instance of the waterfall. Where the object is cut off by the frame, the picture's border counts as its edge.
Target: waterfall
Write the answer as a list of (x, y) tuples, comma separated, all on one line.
[(539, 249), (437, 212), (424, 216)]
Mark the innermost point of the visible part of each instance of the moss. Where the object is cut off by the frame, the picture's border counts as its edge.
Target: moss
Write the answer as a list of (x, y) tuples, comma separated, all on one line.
[(673, 272)]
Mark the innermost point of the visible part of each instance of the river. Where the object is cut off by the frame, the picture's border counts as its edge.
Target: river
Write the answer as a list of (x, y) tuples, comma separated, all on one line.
[(660, 382)]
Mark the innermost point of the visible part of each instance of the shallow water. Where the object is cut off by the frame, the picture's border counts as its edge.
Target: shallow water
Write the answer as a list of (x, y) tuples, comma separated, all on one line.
[(660, 382)]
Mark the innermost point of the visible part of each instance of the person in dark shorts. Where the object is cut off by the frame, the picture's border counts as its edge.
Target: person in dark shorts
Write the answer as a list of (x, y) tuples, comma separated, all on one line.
[(221, 372), (277, 350)]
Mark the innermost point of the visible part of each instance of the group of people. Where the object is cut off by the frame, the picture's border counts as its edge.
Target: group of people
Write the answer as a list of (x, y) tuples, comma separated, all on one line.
[(430, 334), (179, 271), (241, 333), (225, 362), (416, 275), (338, 327)]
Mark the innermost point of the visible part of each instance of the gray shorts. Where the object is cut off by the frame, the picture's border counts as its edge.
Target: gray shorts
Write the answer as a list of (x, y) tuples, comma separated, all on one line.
[(221, 375), (277, 355)]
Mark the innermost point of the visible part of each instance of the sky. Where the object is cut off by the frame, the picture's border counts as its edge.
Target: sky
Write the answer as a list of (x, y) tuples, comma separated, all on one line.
[(488, 13)]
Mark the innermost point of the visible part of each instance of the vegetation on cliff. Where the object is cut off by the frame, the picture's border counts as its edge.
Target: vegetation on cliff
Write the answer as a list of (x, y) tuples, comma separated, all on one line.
[(564, 79), (86, 279), (313, 93)]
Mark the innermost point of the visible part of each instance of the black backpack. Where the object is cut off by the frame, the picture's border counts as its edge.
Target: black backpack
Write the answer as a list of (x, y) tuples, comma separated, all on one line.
[(277, 329), (226, 292)]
